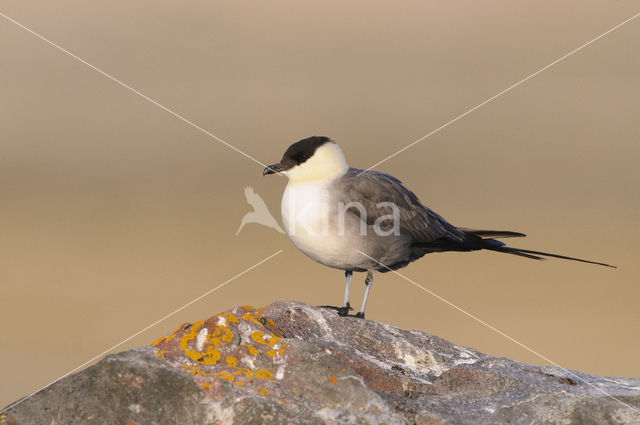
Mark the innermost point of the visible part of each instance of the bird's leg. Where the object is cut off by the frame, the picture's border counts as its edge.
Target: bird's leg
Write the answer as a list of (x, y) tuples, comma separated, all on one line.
[(368, 283), (344, 310)]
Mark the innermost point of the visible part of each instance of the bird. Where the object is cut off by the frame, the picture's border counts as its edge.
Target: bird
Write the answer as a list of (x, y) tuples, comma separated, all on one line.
[(367, 221), (260, 213)]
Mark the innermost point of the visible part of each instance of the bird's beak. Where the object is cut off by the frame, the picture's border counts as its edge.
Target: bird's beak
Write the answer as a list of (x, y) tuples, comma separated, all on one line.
[(272, 169)]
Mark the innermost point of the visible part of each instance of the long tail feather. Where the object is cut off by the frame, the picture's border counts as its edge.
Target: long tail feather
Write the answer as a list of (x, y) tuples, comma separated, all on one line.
[(536, 254), (493, 233), (521, 254)]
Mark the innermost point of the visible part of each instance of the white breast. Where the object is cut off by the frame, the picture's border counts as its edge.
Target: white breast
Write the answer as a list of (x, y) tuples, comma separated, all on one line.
[(309, 220)]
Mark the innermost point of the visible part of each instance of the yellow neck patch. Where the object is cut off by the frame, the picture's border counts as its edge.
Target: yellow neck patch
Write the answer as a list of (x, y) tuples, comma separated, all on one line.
[(327, 163)]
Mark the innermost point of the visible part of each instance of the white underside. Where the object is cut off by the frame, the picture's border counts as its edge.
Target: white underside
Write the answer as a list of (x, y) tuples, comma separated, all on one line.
[(310, 220)]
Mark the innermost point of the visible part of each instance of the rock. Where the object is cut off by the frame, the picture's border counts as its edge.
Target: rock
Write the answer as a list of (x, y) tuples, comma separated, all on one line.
[(293, 363)]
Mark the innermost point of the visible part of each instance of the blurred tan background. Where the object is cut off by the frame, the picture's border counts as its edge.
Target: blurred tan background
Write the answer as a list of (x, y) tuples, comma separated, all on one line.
[(114, 213)]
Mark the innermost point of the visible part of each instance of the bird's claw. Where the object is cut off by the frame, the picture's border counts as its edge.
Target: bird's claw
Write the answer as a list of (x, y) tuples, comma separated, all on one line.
[(332, 307), (344, 311)]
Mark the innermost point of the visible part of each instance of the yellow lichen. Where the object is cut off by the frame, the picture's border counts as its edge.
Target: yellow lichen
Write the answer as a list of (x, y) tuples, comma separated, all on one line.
[(230, 317), (264, 374), (228, 335), (210, 354), (184, 343), (207, 343), (244, 372), (180, 328), (157, 341), (225, 375), (252, 317), (266, 339)]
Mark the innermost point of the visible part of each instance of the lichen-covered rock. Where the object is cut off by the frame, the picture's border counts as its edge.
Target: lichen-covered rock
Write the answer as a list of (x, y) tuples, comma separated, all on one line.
[(290, 363)]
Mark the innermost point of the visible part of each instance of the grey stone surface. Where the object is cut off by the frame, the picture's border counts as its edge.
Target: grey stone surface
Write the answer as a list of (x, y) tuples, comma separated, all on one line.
[(290, 363)]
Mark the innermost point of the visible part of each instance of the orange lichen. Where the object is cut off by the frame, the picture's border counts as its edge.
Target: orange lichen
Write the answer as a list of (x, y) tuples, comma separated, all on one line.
[(266, 339), (264, 374), (252, 317), (332, 379), (228, 335), (230, 317), (180, 327), (157, 341), (206, 385), (209, 355), (225, 375), (211, 343), (160, 354)]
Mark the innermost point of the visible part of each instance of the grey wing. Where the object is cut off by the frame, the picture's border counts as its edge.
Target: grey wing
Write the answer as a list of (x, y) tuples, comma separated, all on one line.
[(381, 194)]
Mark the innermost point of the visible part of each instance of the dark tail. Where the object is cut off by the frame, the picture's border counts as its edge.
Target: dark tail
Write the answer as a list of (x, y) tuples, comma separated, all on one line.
[(495, 245), (536, 255), (492, 233)]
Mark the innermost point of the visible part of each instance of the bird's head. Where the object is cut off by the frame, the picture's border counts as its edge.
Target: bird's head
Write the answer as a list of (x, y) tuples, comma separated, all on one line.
[(311, 159)]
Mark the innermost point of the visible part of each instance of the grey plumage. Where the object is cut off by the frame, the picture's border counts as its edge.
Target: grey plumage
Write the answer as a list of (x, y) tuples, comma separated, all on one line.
[(366, 221), (428, 231)]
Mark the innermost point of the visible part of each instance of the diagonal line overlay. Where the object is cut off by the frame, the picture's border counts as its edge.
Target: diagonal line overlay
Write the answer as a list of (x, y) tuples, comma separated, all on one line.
[(142, 330), (444, 300), (117, 81), (480, 105)]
